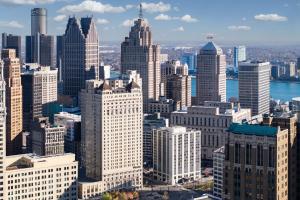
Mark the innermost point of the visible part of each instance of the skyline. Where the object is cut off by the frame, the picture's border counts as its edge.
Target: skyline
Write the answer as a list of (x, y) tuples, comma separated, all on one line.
[(251, 23)]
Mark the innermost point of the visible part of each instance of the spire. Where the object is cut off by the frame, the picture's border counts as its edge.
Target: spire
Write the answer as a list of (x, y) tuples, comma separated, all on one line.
[(141, 12)]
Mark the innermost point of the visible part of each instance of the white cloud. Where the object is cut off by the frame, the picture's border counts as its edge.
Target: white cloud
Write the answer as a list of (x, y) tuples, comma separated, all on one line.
[(25, 2), (239, 28), (91, 6), (163, 17), (188, 18), (60, 18), (179, 29), (156, 7), (129, 6), (102, 21), (128, 22), (270, 17), (11, 24)]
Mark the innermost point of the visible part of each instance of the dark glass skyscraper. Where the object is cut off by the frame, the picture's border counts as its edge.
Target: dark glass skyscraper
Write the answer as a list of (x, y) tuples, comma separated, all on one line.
[(10, 41), (80, 54)]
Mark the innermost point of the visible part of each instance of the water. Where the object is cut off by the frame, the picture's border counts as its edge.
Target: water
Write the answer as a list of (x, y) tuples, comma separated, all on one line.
[(282, 90)]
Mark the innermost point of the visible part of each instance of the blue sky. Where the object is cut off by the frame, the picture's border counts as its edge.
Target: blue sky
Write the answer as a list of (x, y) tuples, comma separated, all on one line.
[(229, 21)]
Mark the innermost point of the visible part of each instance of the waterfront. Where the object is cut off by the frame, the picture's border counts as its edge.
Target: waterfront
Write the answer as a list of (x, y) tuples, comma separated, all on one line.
[(282, 90)]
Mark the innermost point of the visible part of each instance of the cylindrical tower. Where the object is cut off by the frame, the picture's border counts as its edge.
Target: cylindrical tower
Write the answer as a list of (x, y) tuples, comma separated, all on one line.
[(38, 21)]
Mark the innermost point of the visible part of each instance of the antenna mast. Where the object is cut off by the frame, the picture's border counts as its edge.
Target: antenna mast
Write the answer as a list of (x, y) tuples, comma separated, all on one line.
[(141, 12)]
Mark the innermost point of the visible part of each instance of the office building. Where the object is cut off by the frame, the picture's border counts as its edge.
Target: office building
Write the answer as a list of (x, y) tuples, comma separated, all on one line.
[(239, 55), (38, 21), (163, 106), (173, 67), (178, 88), (104, 71), (32, 177), (256, 163), (47, 139), (163, 58), (218, 165), (290, 69), (151, 122), (112, 131), (80, 58), (10, 41), (254, 87), (211, 74), (39, 91), (176, 155), (138, 53), (190, 59), (72, 138), (2, 129), (59, 51), (212, 123), (288, 121), (14, 121), (298, 63)]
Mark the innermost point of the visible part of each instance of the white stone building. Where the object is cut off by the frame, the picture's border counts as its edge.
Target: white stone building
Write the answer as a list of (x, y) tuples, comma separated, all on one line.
[(218, 165)]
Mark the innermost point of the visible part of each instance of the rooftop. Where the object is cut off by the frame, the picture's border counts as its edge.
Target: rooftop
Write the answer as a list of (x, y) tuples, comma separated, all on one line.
[(211, 47), (258, 130)]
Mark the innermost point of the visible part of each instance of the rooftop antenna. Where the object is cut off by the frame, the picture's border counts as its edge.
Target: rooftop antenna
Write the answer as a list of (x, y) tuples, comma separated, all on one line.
[(141, 12)]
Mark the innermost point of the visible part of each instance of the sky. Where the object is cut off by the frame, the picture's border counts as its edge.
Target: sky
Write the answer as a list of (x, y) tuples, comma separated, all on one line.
[(267, 22)]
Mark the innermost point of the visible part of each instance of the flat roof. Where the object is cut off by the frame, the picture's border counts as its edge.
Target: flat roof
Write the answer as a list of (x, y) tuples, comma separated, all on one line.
[(250, 129)]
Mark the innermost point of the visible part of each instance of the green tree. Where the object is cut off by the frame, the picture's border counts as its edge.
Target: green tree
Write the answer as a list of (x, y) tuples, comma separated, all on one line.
[(106, 196)]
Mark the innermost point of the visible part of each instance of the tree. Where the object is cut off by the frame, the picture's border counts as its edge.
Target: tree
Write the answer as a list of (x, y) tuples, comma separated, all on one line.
[(106, 196)]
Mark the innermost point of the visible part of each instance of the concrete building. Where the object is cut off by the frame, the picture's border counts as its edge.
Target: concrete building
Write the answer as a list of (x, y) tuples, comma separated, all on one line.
[(2, 130), (176, 155), (80, 58), (154, 121), (138, 53), (218, 167), (211, 122), (254, 87), (288, 121), (256, 163), (47, 139), (72, 123), (291, 70), (163, 106), (14, 121), (10, 41), (172, 67), (38, 21), (104, 71), (112, 131), (211, 74), (31, 177)]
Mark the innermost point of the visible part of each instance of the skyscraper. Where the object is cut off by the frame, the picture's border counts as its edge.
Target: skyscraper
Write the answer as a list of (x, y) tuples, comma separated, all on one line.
[(239, 55), (112, 134), (14, 120), (10, 41), (190, 59), (39, 45), (80, 59), (2, 129), (138, 53), (254, 86), (211, 74)]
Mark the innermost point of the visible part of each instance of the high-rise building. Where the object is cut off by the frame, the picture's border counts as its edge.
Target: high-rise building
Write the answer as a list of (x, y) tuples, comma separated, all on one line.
[(72, 136), (288, 121), (256, 163), (112, 134), (239, 55), (211, 74), (138, 53), (190, 59), (218, 165), (14, 120), (39, 91), (290, 69), (39, 45), (298, 63), (176, 155), (32, 177), (2, 130), (172, 67), (10, 41), (104, 71), (47, 139), (254, 87), (151, 122), (80, 58), (212, 119)]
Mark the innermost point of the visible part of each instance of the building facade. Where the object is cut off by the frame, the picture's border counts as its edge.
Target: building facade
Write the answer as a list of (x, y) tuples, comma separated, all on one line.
[(80, 55), (31, 177), (2, 130), (254, 87), (211, 74), (14, 120), (10, 41), (138, 53), (163, 106), (239, 55), (211, 122), (256, 163), (176, 155), (112, 132), (218, 167)]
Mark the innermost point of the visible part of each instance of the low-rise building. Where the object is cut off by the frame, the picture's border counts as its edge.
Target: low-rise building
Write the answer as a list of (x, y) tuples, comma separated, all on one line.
[(163, 106)]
